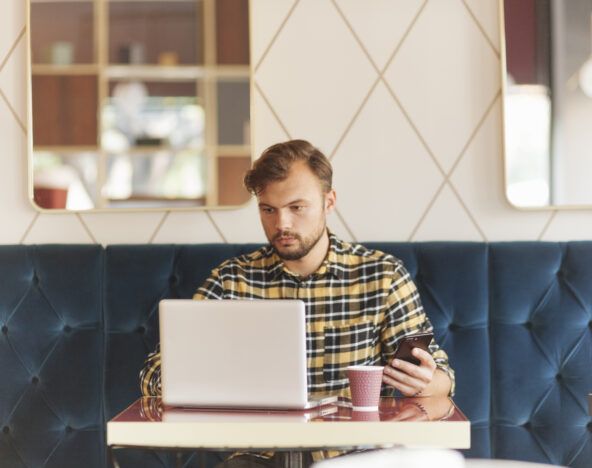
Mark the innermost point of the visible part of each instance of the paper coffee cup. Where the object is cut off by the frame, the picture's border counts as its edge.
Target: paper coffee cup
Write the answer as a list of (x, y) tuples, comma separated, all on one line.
[(364, 384)]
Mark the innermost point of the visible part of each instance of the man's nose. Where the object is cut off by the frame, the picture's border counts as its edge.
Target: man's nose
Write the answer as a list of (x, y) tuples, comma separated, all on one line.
[(283, 220)]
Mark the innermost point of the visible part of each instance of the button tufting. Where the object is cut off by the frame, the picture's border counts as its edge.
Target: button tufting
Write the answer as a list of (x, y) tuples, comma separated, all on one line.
[(453, 327), (528, 325), (6, 429), (67, 328), (35, 279), (589, 426), (68, 429), (526, 425), (35, 380), (5, 329), (174, 280), (558, 377), (141, 330)]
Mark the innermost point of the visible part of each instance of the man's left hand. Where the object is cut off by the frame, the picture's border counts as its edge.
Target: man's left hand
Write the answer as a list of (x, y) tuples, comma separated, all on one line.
[(411, 379)]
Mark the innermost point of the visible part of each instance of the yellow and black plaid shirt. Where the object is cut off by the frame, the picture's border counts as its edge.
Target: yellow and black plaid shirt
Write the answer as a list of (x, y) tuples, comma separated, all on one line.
[(359, 304)]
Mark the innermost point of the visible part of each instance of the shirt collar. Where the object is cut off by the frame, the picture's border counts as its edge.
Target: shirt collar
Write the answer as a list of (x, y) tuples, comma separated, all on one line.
[(330, 265)]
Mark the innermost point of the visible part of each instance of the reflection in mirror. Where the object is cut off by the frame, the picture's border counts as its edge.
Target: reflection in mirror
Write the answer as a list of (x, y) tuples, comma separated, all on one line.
[(139, 103), (548, 102)]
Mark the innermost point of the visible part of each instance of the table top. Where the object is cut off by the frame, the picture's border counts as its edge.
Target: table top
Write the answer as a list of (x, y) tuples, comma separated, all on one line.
[(426, 422)]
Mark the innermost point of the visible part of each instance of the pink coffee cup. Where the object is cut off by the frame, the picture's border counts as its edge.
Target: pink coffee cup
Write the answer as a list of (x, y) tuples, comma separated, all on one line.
[(364, 384)]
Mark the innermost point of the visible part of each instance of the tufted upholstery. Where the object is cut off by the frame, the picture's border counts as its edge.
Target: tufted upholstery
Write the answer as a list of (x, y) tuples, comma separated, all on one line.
[(541, 337), (51, 356), (77, 322)]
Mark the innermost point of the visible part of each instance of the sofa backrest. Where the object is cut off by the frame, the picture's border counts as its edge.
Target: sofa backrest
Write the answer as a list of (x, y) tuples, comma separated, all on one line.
[(78, 321), (51, 356)]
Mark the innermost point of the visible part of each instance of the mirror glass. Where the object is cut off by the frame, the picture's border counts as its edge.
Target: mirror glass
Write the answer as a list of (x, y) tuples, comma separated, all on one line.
[(548, 102), (139, 103)]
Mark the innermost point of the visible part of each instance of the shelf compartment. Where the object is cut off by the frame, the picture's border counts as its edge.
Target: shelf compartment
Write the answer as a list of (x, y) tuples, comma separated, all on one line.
[(233, 113), (231, 172), (232, 32), (65, 110), (65, 180), (156, 32), (54, 40), (162, 175)]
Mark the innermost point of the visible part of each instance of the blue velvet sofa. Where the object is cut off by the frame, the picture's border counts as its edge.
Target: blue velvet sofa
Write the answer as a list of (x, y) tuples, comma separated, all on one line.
[(77, 322)]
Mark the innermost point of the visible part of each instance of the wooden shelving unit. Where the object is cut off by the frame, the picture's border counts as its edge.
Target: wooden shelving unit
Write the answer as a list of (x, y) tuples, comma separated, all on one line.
[(177, 48)]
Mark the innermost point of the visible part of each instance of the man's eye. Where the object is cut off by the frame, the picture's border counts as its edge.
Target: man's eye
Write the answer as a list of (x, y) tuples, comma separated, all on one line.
[(297, 207), (267, 210)]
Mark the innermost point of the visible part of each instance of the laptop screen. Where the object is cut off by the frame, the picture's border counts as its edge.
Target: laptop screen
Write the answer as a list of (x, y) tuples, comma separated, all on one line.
[(233, 353)]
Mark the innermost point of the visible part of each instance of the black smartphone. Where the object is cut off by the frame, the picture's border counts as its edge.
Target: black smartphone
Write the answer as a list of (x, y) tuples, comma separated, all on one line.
[(407, 343)]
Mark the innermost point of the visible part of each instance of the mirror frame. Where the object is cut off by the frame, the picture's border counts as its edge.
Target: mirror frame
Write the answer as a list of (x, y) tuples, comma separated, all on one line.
[(504, 93)]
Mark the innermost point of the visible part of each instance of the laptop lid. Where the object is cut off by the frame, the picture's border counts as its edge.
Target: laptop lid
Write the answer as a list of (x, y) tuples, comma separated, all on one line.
[(233, 353)]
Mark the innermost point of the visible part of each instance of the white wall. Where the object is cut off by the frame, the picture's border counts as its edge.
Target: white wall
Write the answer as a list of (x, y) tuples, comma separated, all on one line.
[(403, 95)]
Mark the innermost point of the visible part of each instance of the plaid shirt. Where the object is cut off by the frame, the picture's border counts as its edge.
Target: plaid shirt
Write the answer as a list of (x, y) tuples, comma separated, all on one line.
[(359, 304)]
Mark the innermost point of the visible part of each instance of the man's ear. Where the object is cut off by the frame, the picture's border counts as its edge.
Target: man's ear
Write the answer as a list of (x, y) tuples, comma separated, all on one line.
[(330, 201)]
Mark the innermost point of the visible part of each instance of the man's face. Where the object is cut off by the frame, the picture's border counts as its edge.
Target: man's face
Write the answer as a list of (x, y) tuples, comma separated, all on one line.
[(293, 212)]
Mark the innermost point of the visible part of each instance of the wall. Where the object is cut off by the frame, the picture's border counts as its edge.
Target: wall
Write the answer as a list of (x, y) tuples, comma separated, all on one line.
[(403, 95)]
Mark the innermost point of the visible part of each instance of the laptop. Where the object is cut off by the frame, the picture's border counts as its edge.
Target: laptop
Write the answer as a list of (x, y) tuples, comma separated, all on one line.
[(234, 354)]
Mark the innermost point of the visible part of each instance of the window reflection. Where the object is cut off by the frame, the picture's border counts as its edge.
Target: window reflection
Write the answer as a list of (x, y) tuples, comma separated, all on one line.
[(65, 181), (547, 103), (136, 178), (528, 136)]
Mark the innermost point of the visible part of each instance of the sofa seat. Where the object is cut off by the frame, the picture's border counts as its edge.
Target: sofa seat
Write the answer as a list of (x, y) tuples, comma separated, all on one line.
[(77, 322)]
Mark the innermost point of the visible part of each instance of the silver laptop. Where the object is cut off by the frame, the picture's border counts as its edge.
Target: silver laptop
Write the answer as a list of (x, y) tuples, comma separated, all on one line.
[(234, 354)]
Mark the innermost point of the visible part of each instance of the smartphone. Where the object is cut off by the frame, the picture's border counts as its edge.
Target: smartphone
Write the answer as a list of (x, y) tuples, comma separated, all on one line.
[(406, 345)]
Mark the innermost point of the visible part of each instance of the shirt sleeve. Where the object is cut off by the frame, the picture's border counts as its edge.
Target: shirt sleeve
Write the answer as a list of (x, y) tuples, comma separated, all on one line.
[(150, 374), (404, 315), (212, 288)]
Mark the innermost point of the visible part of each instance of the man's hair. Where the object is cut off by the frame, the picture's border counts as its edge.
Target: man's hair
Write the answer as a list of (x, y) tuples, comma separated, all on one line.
[(276, 161)]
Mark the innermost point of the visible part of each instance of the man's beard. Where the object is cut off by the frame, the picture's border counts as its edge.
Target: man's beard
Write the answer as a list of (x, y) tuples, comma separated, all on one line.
[(305, 245)]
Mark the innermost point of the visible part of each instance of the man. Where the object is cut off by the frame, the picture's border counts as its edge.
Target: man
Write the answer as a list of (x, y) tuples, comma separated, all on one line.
[(359, 302)]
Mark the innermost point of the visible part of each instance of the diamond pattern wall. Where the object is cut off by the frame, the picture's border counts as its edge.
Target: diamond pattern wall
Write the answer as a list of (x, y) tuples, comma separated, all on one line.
[(445, 105), (308, 71), (381, 137), (324, 69)]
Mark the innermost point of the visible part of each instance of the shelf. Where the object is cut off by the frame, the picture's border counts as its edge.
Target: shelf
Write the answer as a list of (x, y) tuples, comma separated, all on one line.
[(66, 1), (142, 150), (66, 149), (226, 151), (177, 72), (154, 72), (74, 69), (147, 72), (155, 202)]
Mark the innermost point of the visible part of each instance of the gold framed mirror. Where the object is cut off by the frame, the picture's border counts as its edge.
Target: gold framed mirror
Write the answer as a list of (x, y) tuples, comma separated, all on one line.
[(138, 104), (547, 102)]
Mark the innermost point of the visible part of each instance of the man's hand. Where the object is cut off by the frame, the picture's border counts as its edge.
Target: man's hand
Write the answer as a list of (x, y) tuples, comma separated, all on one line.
[(411, 379)]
